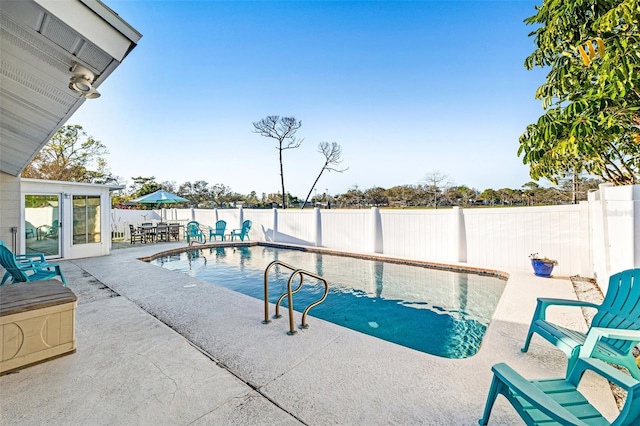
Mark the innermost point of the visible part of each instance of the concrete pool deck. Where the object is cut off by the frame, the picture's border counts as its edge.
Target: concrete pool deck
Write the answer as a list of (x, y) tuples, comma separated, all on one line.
[(158, 347)]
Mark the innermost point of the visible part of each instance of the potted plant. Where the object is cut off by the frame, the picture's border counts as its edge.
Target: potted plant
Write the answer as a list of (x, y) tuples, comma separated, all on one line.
[(542, 266)]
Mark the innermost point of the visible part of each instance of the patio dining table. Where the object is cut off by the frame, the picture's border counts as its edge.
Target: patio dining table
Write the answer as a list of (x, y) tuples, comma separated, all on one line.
[(152, 232)]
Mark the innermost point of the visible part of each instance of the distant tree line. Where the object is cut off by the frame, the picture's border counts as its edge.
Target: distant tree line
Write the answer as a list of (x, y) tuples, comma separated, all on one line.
[(437, 191), (72, 155)]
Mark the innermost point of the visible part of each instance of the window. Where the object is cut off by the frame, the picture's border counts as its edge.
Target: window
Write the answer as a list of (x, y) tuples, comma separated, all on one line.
[(86, 219)]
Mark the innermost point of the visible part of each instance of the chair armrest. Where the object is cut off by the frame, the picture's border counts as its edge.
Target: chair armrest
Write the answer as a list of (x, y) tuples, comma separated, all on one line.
[(545, 302), (595, 334), (603, 369), (24, 262), (533, 395), (31, 257)]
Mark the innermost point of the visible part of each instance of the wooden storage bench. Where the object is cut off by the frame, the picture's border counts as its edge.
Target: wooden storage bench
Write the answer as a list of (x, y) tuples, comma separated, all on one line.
[(37, 322)]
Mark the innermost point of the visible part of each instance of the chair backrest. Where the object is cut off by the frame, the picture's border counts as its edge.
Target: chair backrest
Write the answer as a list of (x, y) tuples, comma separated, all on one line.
[(246, 226), (221, 225), (193, 228), (8, 262), (621, 306)]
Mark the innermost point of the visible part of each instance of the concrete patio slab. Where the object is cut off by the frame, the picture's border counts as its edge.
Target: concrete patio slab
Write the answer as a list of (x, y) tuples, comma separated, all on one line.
[(191, 352)]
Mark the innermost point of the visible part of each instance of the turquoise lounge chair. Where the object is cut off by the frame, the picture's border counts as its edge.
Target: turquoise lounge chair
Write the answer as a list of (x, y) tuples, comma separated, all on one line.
[(243, 232), (25, 261), (221, 226), (619, 311), (192, 232), (26, 272), (558, 401)]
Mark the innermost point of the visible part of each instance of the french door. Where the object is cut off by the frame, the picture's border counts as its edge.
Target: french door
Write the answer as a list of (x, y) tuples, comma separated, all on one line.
[(42, 224)]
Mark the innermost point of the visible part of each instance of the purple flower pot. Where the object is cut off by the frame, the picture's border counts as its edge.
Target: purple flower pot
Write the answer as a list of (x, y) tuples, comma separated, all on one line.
[(542, 268)]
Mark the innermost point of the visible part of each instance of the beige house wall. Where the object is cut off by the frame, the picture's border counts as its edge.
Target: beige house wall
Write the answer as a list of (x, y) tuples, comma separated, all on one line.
[(10, 210)]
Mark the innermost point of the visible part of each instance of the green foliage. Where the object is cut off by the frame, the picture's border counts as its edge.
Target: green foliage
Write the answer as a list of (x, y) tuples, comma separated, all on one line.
[(71, 156), (591, 123), (143, 186)]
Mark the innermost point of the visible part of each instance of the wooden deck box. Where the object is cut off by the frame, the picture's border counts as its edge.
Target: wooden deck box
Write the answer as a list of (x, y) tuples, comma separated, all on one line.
[(37, 322)]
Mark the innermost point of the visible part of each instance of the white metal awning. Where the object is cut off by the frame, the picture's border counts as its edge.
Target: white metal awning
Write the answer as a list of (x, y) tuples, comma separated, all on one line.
[(40, 41)]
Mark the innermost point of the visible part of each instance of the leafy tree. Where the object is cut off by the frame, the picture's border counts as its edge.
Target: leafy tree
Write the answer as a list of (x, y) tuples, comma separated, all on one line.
[(332, 157), (578, 186), (143, 186), (376, 196), (512, 196), (169, 186), (531, 192), (282, 129), (489, 196), (272, 199), (460, 195), (197, 193), (403, 195), (222, 194), (591, 122), (352, 198), (72, 156)]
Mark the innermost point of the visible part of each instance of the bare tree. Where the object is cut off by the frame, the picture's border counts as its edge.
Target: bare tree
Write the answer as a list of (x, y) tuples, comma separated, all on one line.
[(332, 157), (435, 184), (282, 129)]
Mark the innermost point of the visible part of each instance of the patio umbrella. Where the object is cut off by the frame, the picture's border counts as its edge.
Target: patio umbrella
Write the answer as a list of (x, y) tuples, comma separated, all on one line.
[(159, 197)]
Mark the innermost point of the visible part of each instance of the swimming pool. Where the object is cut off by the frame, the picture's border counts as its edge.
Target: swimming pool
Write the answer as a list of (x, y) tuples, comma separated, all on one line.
[(443, 313)]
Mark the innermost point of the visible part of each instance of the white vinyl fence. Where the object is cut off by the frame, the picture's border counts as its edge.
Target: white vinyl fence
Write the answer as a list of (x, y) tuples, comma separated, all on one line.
[(592, 239)]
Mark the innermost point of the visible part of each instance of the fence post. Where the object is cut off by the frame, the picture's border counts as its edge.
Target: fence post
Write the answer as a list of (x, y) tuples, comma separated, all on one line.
[(377, 245), (586, 255), (317, 223), (458, 236), (275, 224), (240, 216)]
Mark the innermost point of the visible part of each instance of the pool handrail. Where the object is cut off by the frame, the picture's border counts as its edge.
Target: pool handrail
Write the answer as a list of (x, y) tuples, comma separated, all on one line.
[(266, 287), (290, 292)]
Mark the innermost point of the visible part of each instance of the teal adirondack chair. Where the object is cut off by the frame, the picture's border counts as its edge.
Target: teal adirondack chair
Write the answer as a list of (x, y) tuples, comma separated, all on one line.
[(25, 261), (192, 232), (558, 401), (243, 232), (22, 271), (221, 226), (619, 311)]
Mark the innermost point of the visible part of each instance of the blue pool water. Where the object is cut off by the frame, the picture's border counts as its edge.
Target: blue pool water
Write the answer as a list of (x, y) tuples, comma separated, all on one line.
[(438, 312)]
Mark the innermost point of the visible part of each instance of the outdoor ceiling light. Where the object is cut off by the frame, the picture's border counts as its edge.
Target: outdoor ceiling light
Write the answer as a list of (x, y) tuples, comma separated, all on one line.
[(81, 81)]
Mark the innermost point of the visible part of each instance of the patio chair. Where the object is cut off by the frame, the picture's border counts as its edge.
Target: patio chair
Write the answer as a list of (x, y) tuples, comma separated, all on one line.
[(619, 311), (136, 235), (162, 232), (25, 261), (149, 231), (558, 401), (243, 232), (221, 226), (23, 272), (174, 231), (192, 231), (48, 231)]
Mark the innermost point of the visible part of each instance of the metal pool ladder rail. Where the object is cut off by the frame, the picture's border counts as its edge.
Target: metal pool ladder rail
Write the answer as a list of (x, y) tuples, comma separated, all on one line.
[(289, 294)]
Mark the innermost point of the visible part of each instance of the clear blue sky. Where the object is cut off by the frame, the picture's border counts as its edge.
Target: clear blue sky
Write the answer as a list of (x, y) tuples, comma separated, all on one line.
[(406, 88)]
